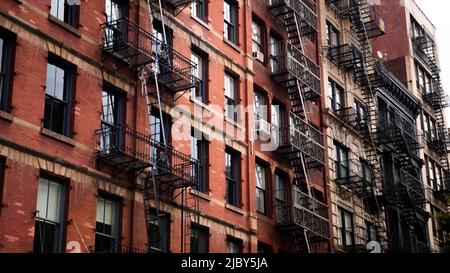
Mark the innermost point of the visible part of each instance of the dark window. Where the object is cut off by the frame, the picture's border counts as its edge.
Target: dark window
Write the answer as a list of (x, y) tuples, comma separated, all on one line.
[(345, 227), (230, 20), (112, 115), (336, 96), (276, 48), (371, 230), (341, 161), (200, 59), (367, 176), (261, 188), (232, 177), (361, 113), (234, 245), (332, 35), (6, 60), (58, 96), (200, 9), (160, 128), (65, 11), (231, 85), (199, 243), (2, 180), (107, 225), (264, 248), (199, 151), (49, 220), (260, 107), (159, 232), (431, 169), (281, 187), (114, 9), (258, 41)]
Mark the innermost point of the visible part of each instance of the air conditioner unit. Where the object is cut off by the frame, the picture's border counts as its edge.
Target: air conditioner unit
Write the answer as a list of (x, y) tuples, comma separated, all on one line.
[(258, 55), (263, 128)]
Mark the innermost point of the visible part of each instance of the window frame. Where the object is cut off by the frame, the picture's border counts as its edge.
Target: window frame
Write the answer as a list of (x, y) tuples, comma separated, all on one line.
[(371, 229), (203, 10), (281, 199), (330, 30), (341, 163), (261, 44), (203, 61), (116, 227), (68, 92), (202, 231), (263, 191), (7, 57), (236, 243), (235, 89), (231, 26), (343, 229), (235, 199), (62, 213), (202, 156), (153, 232), (70, 13), (336, 93)]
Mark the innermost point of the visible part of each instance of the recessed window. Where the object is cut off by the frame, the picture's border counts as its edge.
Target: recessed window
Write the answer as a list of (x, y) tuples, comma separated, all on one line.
[(232, 178), (281, 186), (107, 225), (258, 39), (345, 224), (264, 248), (199, 151), (199, 9), (261, 188), (276, 49), (200, 60), (6, 59), (332, 35), (336, 97), (58, 96), (260, 105), (159, 232), (112, 116), (371, 232), (230, 20), (49, 219), (361, 113), (231, 83), (199, 239), (234, 245), (65, 11), (341, 161)]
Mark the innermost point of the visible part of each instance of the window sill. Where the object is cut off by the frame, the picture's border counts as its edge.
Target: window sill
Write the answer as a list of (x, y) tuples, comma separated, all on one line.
[(201, 22), (200, 194), (199, 103), (234, 209), (233, 45), (234, 123), (59, 137), (64, 25), (6, 116)]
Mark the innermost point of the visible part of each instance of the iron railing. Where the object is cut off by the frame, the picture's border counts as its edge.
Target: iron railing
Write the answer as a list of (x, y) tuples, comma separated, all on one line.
[(289, 64), (125, 147), (306, 9), (300, 136), (414, 187), (306, 212), (346, 56), (399, 132), (116, 249)]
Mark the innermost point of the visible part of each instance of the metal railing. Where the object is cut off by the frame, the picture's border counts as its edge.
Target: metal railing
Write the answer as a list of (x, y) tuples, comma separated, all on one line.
[(414, 186), (118, 144), (306, 212), (347, 56), (116, 249), (289, 59), (306, 9)]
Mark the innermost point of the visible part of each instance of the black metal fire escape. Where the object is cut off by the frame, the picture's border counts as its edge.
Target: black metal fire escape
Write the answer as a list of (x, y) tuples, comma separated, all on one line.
[(168, 173), (356, 57), (304, 217), (438, 100)]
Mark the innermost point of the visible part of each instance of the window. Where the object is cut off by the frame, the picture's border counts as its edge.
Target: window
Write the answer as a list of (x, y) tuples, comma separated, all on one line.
[(232, 177), (199, 151), (200, 72), (261, 191), (160, 128), (107, 225), (199, 9), (230, 96), (199, 243), (234, 245), (424, 81), (230, 20), (280, 198), (165, 62), (6, 60), (114, 9), (429, 128), (264, 248), (49, 220), (112, 115), (275, 53), (371, 230), (66, 12), (345, 224), (367, 176), (260, 106), (332, 35), (159, 236), (341, 161), (361, 113), (258, 36), (58, 97), (336, 97), (437, 186)]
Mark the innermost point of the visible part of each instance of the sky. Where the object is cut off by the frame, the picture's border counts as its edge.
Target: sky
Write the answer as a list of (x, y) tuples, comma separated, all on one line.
[(438, 12)]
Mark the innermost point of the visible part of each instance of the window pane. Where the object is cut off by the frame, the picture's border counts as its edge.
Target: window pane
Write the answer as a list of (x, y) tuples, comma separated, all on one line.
[(260, 177), (109, 108), (48, 201), (55, 82)]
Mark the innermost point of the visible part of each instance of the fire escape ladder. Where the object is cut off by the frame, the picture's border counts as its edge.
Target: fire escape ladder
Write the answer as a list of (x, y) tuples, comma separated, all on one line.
[(366, 76), (172, 174)]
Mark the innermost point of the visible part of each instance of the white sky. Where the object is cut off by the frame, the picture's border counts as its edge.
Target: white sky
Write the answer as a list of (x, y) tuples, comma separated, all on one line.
[(438, 12)]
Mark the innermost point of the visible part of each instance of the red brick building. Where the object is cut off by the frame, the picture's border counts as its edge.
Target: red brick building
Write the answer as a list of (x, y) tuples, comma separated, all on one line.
[(77, 138)]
